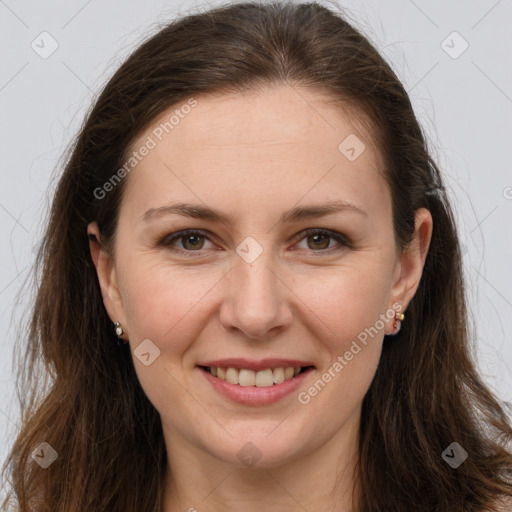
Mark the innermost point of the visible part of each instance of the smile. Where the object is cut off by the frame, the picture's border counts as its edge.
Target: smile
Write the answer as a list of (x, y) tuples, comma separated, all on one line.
[(249, 378), (255, 387)]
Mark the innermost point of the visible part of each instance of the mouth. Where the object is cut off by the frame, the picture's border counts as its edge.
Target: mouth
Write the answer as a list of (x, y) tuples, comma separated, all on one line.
[(264, 378), (255, 383)]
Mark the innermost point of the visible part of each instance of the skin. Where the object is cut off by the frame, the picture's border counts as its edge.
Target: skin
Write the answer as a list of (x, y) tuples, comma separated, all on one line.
[(255, 156)]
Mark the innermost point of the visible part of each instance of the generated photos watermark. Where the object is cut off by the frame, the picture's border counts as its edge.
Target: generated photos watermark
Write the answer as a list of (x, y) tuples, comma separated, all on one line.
[(304, 397), (149, 144)]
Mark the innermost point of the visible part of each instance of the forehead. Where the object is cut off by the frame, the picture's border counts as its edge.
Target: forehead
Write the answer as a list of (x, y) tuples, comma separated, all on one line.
[(276, 113), (281, 142)]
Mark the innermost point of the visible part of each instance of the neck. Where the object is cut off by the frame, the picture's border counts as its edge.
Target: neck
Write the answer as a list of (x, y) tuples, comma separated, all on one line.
[(318, 480)]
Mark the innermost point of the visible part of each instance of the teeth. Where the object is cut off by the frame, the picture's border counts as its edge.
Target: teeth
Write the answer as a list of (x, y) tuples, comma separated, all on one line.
[(247, 378), (278, 374), (231, 376), (260, 379), (264, 379)]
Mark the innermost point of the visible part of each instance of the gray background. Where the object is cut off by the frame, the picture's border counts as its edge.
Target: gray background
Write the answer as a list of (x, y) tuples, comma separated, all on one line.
[(464, 102)]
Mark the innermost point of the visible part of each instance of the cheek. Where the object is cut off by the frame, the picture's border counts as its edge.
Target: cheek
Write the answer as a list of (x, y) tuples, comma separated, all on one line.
[(347, 314), (161, 302), (345, 301), (170, 306), (349, 319)]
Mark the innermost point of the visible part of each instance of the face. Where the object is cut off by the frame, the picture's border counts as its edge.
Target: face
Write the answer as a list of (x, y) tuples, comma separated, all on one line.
[(280, 282)]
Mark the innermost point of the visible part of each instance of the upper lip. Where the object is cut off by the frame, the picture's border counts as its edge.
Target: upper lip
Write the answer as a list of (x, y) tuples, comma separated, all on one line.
[(263, 364)]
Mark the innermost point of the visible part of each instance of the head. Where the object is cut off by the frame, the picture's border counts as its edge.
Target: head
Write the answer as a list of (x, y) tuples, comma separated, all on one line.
[(257, 112), (257, 287)]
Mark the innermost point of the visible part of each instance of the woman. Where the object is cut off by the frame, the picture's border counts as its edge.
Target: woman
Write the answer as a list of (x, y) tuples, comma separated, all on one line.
[(251, 212)]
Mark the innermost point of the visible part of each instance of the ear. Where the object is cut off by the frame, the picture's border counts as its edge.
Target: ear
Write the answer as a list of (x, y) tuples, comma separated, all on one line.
[(409, 267), (107, 277)]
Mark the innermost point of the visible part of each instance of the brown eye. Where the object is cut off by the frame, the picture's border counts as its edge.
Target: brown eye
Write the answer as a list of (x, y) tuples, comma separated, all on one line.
[(192, 242), (188, 241), (319, 241)]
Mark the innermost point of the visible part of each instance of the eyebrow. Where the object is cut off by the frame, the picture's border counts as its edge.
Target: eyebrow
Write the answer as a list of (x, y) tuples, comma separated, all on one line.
[(201, 211)]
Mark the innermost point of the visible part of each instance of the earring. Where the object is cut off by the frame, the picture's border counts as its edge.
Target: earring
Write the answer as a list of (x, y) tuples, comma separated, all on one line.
[(119, 333), (119, 329), (398, 322)]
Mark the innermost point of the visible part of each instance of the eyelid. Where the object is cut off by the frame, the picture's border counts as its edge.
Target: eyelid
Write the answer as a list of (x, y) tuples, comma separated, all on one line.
[(168, 240), (343, 240), (339, 237)]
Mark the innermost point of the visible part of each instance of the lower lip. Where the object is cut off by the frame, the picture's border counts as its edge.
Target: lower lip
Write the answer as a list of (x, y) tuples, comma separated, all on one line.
[(252, 395)]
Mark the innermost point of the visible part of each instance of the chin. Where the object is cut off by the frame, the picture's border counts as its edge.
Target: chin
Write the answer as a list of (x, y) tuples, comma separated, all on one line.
[(266, 448)]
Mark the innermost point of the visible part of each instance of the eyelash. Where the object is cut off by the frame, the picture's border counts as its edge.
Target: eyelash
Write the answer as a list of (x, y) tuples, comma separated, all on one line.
[(167, 242)]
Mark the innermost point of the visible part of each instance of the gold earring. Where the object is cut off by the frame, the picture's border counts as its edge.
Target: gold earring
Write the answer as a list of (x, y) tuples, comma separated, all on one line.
[(398, 322)]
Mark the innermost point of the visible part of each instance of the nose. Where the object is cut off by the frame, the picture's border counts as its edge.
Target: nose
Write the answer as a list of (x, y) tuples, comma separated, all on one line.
[(256, 302)]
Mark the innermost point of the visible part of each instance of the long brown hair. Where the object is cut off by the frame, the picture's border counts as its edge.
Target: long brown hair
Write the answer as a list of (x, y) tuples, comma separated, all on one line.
[(80, 391)]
